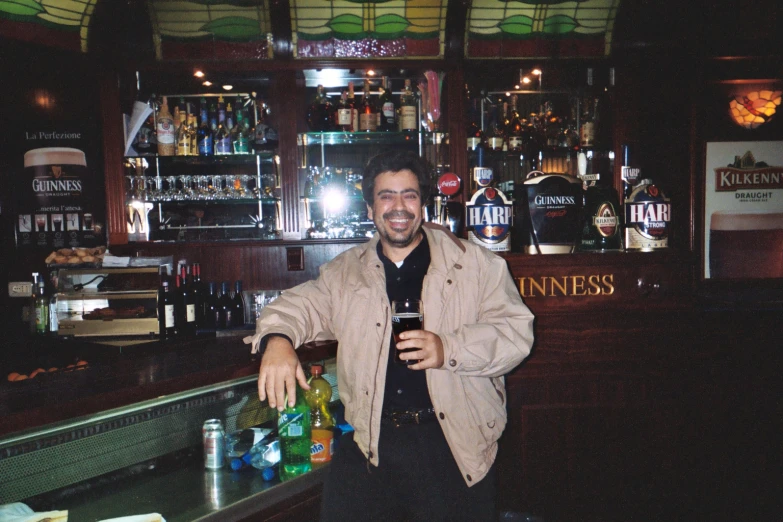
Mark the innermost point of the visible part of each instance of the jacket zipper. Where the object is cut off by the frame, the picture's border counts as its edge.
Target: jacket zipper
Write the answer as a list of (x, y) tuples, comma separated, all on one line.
[(385, 307)]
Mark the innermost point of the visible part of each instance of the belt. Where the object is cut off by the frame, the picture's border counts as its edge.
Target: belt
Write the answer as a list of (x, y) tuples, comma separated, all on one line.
[(408, 416)]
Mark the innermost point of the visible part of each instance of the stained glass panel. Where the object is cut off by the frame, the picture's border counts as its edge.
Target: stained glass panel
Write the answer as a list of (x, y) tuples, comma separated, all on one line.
[(368, 28), (540, 28), (211, 29), (62, 23)]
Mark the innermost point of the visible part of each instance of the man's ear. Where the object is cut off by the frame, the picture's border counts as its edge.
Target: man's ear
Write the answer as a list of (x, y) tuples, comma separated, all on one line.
[(369, 211)]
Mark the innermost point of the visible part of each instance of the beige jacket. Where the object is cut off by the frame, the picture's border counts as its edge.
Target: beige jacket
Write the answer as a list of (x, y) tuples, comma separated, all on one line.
[(470, 301)]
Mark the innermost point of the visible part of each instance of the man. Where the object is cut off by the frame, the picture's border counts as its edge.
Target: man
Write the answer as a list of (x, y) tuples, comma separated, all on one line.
[(426, 434)]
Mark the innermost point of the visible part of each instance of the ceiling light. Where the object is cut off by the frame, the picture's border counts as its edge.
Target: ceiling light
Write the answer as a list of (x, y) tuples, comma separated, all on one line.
[(198, 74), (536, 72), (207, 83), (228, 87), (525, 80), (370, 72)]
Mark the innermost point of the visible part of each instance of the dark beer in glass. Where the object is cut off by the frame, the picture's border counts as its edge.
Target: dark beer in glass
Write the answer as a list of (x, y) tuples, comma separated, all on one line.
[(406, 315)]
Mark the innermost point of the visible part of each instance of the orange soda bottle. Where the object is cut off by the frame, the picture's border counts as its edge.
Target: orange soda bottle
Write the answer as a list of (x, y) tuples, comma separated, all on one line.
[(321, 420)]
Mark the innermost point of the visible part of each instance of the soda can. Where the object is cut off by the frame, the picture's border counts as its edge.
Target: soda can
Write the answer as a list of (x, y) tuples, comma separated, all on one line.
[(214, 444)]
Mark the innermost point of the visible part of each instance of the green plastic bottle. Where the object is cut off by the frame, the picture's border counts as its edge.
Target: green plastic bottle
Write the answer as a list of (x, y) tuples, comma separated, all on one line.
[(293, 426)]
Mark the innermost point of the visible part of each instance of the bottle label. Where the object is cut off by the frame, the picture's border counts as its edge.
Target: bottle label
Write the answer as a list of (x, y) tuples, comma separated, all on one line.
[(41, 319), (587, 134), (166, 134), (367, 122), (322, 447), (388, 111), (514, 142), (291, 424), (354, 119), (205, 146), (648, 217), (344, 117), (495, 143), (474, 143), (605, 221), (190, 313), (408, 117), (223, 146), (168, 311)]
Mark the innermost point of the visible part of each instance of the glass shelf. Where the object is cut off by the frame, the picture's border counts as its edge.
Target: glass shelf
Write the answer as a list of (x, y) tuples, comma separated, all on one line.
[(228, 159), (370, 138)]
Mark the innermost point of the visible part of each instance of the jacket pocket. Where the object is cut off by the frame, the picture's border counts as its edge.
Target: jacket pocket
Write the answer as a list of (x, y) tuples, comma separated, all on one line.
[(486, 405)]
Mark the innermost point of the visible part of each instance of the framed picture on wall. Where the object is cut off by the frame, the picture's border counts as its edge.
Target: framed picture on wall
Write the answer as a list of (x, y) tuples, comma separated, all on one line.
[(743, 210)]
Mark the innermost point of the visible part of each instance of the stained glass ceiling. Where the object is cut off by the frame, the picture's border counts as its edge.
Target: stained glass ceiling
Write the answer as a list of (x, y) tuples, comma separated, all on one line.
[(540, 28), (345, 29)]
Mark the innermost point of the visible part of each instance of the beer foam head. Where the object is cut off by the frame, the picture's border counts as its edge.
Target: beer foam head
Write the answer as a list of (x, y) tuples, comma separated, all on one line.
[(727, 220), (54, 156)]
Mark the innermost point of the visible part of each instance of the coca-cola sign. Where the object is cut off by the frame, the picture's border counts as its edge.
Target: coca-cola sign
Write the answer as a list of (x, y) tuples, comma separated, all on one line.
[(449, 184)]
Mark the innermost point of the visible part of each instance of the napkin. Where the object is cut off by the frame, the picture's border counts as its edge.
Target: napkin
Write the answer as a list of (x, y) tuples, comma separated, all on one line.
[(19, 512)]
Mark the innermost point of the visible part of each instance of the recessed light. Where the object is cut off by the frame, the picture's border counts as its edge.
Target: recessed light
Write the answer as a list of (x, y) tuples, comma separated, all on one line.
[(198, 74), (207, 83), (370, 73), (228, 87)]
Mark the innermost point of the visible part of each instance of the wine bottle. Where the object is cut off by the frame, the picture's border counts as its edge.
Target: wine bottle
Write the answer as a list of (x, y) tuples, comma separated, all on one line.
[(186, 311), (408, 109), (166, 306), (344, 114), (199, 293), (386, 110), (367, 112), (212, 307), (238, 311), (320, 114), (226, 307), (354, 108)]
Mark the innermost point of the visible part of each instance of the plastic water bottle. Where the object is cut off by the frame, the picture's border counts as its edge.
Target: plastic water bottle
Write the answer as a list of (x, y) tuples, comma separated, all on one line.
[(293, 426), (321, 420)]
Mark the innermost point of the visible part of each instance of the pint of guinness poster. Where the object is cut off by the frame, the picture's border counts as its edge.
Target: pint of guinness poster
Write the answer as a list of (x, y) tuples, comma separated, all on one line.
[(55, 169), (743, 225)]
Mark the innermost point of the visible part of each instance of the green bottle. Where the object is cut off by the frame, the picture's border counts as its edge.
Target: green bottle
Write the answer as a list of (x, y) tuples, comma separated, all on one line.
[(293, 426)]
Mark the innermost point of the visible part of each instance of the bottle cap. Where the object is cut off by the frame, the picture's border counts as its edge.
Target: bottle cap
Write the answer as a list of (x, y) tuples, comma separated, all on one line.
[(316, 370)]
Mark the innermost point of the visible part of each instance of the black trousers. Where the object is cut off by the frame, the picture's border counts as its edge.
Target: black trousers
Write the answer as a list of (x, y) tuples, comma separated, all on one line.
[(417, 480)]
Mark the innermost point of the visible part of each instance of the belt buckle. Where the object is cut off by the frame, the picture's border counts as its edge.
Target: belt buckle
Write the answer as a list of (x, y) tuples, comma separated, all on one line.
[(399, 418)]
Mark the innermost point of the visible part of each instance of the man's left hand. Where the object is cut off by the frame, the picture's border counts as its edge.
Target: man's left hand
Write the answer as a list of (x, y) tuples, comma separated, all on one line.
[(429, 351)]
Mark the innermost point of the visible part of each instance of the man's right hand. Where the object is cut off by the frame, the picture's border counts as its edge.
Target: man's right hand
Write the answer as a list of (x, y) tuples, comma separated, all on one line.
[(279, 372)]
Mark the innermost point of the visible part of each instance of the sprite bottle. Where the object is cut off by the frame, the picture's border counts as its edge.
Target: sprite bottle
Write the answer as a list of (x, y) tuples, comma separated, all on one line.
[(293, 426)]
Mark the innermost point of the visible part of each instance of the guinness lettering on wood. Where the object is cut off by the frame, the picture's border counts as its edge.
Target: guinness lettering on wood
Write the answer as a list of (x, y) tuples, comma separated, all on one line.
[(591, 285)]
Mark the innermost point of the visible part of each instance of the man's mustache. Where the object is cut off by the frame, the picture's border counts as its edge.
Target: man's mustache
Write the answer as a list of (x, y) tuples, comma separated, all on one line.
[(398, 214)]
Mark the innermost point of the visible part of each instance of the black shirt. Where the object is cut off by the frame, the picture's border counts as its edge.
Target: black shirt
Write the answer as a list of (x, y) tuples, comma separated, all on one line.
[(405, 388)]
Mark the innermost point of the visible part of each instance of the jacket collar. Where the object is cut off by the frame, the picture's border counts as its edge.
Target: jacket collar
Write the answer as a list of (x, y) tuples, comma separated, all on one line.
[(445, 249)]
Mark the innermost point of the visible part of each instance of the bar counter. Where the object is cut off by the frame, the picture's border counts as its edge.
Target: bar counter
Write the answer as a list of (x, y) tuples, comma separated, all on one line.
[(122, 435)]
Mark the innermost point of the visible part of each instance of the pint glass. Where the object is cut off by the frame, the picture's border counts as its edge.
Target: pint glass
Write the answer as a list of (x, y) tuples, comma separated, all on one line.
[(746, 245), (406, 315)]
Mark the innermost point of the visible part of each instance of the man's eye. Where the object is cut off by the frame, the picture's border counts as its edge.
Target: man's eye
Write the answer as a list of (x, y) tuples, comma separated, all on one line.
[(385, 197), (411, 197)]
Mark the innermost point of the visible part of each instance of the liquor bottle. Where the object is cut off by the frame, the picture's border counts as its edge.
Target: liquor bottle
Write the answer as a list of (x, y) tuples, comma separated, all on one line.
[(386, 109), (222, 136), (226, 307), (230, 120), (344, 114), (166, 305), (211, 307), (199, 294), (293, 427), (238, 306), (241, 144), (320, 114), (475, 136), (167, 138), (321, 420), (206, 146), (354, 109), (213, 117), (186, 309), (587, 129), (181, 115), (408, 111), (495, 135), (367, 112), (41, 309), (193, 131), (146, 140), (514, 129), (184, 143), (264, 135)]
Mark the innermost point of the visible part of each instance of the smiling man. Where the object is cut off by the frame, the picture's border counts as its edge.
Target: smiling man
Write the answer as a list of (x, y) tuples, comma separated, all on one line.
[(426, 433)]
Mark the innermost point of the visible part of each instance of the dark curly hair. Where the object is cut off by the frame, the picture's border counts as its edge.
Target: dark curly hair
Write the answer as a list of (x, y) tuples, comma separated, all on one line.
[(395, 161)]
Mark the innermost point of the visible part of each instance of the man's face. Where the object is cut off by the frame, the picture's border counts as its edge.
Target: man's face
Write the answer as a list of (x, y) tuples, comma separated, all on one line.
[(397, 208)]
